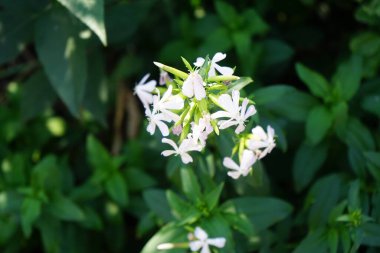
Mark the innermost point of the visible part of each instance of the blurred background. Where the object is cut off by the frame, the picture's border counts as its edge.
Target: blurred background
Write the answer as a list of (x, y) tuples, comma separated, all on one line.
[(79, 173)]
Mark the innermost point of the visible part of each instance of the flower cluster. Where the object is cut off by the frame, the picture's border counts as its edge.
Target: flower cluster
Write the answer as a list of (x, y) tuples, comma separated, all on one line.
[(197, 104)]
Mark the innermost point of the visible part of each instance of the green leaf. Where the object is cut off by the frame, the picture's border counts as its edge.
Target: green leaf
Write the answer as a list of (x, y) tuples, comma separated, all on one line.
[(51, 233), (372, 104), (357, 161), (294, 104), (239, 84), (373, 163), (314, 242), (357, 135), (90, 13), (63, 56), (190, 185), (324, 195), (371, 234), (316, 83), (36, 96), (182, 210), (157, 202), (138, 180), (240, 222), (65, 209), (116, 188), (332, 238), (262, 211), (45, 174), (227, 14), (170, 233), (354, 196), (30, 211), (98, 156), (218, 226), (318, 123), (273, 93), (348, 77), (212, 197), (308, 160)]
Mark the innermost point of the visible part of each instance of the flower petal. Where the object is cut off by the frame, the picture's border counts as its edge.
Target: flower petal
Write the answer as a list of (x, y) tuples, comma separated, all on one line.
[(195, 245), (217, 242), (200, 61), (248, 159), (200, 233), (229, 163), (168, 152), (186, 158), (205, 249), (163, 128), (199, 90), (170, 142), (234, 174), (218, 57), (225, 71)]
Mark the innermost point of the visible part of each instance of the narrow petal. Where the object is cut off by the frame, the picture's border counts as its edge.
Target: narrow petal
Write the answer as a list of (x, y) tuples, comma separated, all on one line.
[(151, 128), (225, 71), (200, 61), (251, 111), (218, 57), (186, 158), (259, 133), (167, 93), (226, 103), (149, 86), (223, 124), (168, 152), (163, 128), (170, 142), (229, 163), (187, 87), (142, 81), (240, 128), (217, 242), (200, 233), (221, 114), (199, 90), (248, 159), (234, 174), (195, 245)]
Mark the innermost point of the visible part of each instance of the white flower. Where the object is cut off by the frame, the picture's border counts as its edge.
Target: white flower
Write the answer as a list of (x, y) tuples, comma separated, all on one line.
[(157, 119), (204, 242), (237, 115), (168, 102), (201, 130), (261, 143), (225, 71), (186, 146), (247, 160), (193, 86), (144, 90)]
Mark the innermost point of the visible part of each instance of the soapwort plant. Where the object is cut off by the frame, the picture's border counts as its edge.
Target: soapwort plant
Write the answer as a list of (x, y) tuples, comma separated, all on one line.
[(195, 105)]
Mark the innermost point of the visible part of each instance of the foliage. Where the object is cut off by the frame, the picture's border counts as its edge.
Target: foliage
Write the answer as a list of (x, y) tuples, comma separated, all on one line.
[(79, 173)]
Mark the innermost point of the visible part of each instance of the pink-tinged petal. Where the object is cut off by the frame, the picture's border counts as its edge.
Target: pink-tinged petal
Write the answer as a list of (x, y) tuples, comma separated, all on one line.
[(225, 71), (248, 159), (218, 57), (186, 158), (217, 242), (251, 111), (221, 114), (151, 128), (234, 174), (200, 61), (195, 245), (170, 142), (270, 132), (235, 99), (142, 81), (205, 249), (240, 128), (187, 87), (200, 234), (230, 164), (168, 152), (163, 128), (199, 90)]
